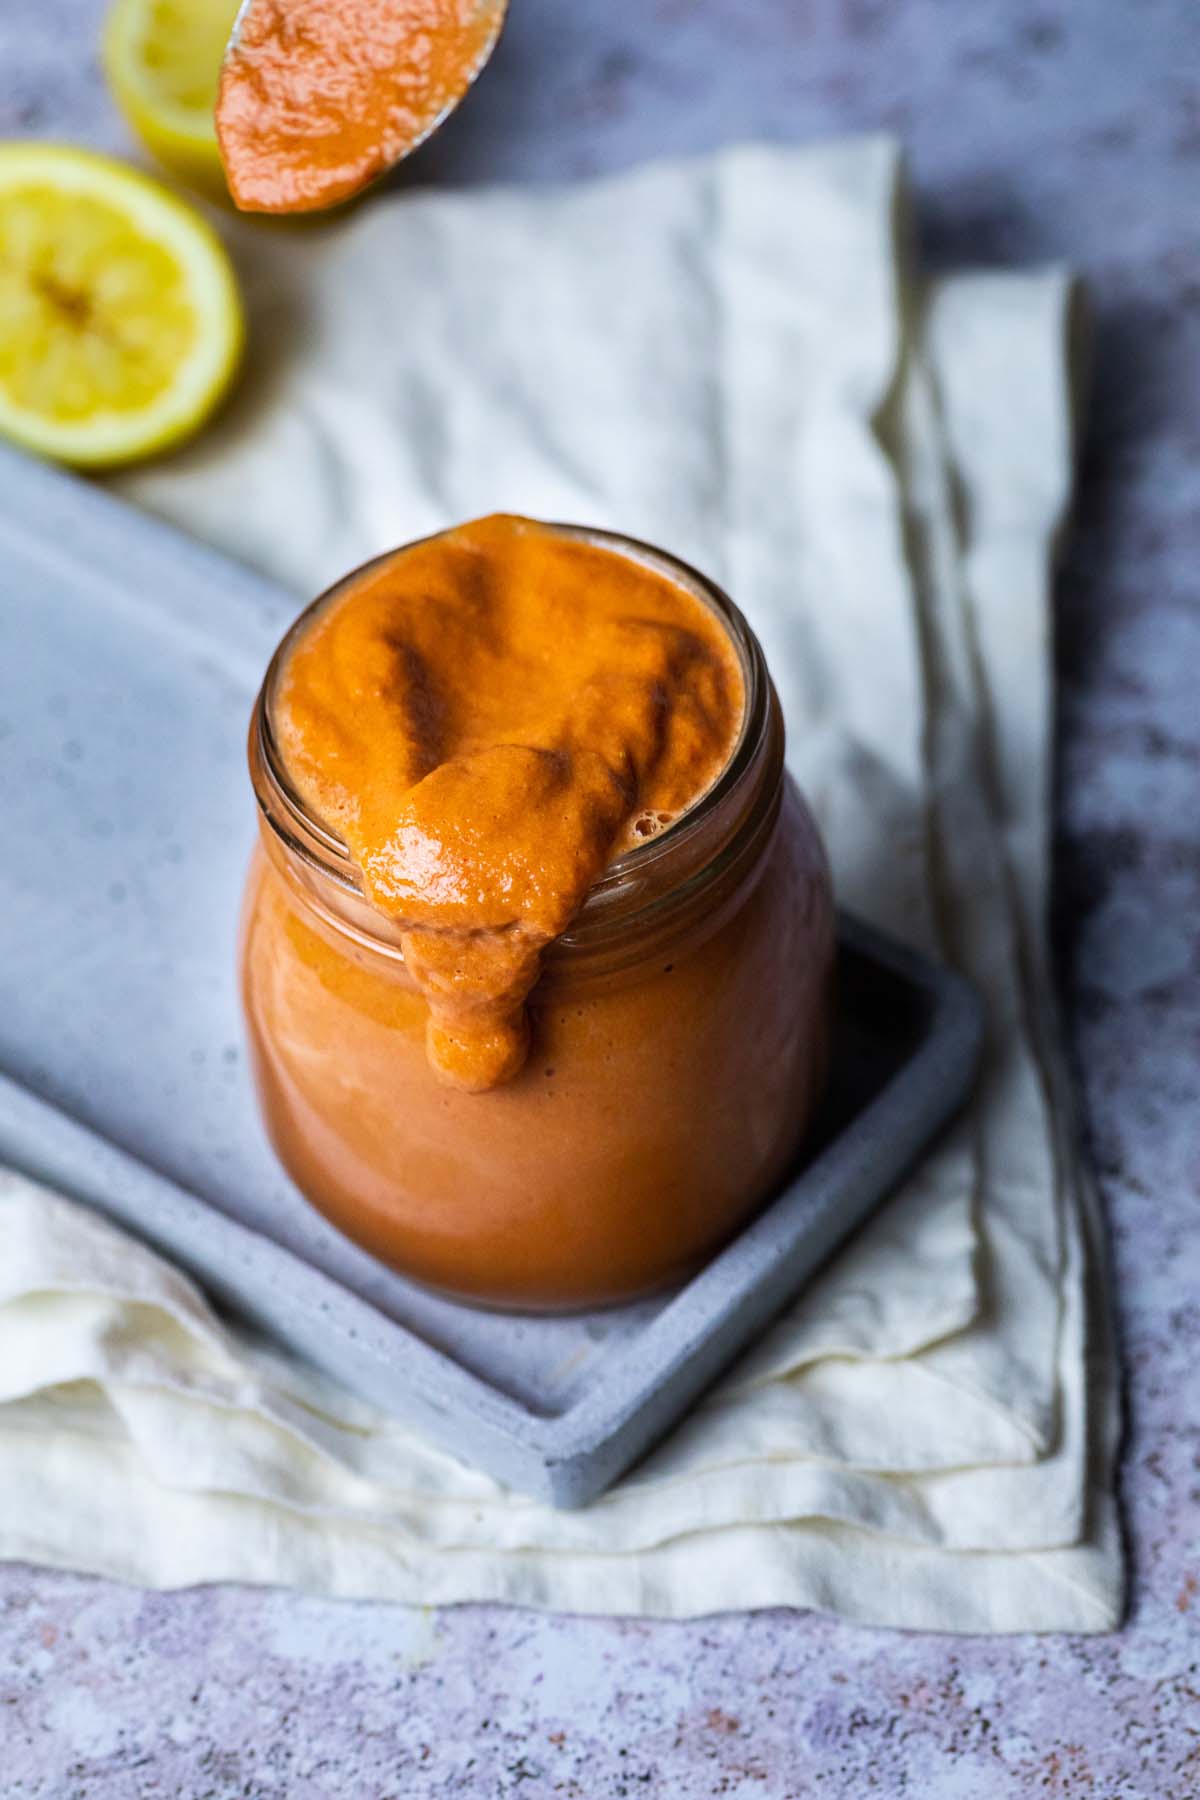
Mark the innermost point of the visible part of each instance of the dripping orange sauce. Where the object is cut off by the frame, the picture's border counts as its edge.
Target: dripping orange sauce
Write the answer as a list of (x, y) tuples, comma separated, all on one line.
[(488, 720)]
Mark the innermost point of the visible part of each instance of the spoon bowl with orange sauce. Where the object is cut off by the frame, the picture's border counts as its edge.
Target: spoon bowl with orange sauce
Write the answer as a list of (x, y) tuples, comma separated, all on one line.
[(318, 98)]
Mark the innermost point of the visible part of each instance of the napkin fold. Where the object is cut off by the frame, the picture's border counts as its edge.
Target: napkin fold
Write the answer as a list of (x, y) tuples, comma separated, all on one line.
[(732, 357)]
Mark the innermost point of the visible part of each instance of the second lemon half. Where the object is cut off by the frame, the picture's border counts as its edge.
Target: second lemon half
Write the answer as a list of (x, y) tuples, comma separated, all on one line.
[(162, 59)]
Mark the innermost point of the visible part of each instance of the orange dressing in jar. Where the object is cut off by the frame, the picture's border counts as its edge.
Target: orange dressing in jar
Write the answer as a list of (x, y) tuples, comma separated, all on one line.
[(538, 948)]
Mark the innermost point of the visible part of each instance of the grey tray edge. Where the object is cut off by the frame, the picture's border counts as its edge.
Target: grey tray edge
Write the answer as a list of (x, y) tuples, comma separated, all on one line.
[(569, 1459), (747, 1284)]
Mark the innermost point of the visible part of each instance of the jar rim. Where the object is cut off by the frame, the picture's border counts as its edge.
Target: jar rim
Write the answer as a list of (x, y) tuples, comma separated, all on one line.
[(627, 876)]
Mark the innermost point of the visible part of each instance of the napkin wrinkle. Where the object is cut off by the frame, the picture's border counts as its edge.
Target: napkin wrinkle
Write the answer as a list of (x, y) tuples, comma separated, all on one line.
[(94, 1337), (53, 1243), (146, 1533), (183, 1452), (1019, 1225), (180, 1449)]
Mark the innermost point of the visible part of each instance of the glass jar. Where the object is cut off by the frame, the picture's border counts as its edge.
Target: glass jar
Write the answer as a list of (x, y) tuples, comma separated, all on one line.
[(679, 1035)]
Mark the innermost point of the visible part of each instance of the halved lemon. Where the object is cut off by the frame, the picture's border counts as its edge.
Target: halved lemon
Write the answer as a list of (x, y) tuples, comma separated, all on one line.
[(162, 59), (120, 318)]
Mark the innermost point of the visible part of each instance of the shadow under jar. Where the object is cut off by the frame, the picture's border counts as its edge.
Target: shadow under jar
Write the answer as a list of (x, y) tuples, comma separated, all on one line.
[(679, 1035)]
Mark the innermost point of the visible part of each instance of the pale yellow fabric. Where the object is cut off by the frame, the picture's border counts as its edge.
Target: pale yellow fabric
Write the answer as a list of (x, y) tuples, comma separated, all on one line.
[(724, 356)]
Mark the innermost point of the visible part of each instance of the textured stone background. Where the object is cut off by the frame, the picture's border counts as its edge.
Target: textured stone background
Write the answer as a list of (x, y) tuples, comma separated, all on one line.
[(1066, 129)]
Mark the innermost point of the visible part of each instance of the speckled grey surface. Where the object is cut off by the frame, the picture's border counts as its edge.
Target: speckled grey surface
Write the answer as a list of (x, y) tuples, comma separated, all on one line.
[(1039, 129)]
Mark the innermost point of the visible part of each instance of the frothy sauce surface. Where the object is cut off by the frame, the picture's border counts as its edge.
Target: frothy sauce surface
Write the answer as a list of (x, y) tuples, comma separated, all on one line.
[(488, 719)]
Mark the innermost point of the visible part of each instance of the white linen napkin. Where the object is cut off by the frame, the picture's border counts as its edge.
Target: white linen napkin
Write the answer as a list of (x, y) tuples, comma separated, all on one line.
[(728, 357)]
